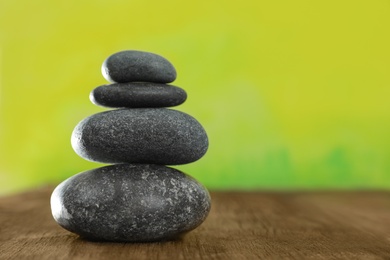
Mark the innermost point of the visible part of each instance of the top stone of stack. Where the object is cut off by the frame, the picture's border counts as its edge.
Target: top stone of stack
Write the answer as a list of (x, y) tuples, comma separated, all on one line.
[(138, 66)]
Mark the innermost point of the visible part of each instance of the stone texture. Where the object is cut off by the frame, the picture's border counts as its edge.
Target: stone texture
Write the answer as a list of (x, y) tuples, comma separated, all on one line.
[(131, 66), (140, 135), (130, 203), (138, 94)]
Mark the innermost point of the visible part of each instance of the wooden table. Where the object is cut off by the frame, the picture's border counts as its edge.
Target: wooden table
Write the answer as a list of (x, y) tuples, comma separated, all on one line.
[(241, 225)]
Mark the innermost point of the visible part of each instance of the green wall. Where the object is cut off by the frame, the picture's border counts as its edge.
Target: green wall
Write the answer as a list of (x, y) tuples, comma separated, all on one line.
[(293, 94)]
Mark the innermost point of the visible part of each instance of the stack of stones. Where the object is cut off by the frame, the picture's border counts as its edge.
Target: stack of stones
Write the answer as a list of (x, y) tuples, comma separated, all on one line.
[(138, 198)]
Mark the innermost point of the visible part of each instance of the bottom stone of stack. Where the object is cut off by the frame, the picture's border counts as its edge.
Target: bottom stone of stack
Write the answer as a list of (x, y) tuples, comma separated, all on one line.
[(130, 203)]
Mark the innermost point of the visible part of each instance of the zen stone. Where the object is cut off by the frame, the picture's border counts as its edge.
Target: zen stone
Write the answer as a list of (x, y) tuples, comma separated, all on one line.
[(131, 66), (140, 135), (138, 95), (130, 203)]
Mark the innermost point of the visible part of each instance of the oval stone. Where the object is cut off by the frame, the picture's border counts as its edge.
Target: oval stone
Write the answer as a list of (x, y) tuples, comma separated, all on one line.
[(130, 203), (131, 66), (138, 94), (140, 135)]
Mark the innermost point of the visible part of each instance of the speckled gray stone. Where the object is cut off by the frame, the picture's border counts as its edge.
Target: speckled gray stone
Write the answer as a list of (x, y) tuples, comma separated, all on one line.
[(138, 94), (130, 203), (140, 135), (131, 66)]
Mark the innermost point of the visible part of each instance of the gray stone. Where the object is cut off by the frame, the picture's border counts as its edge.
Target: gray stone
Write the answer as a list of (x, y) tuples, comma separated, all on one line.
[(140, 135), (131, 66), (130, 203), (138, 94)]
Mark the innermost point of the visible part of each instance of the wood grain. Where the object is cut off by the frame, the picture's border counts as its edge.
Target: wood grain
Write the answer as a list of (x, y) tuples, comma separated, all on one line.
[(241, 225)]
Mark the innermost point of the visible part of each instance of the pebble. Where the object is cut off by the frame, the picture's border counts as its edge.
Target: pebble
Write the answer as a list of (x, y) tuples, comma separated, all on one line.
[(140, 135), (138, 94), (130, 203), (135, 66)]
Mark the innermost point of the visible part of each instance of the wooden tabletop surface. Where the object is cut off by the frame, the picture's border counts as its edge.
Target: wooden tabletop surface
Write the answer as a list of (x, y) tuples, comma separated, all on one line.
[(241, 225)]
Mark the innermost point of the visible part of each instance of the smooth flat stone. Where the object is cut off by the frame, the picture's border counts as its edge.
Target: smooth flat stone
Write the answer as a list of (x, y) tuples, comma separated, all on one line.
[(138, 94), (140, 135), (130, 203), (132, 66)]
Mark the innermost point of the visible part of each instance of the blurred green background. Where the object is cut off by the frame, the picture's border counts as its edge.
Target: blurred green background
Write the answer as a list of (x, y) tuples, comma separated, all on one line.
[(293, 94)]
